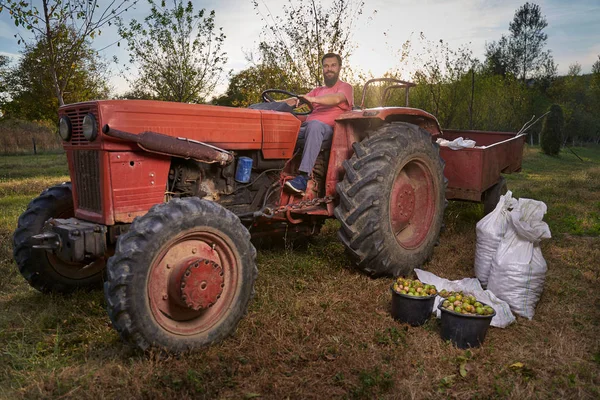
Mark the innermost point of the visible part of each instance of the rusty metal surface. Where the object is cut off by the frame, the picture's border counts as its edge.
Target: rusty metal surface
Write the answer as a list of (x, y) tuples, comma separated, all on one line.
[(86, 165), (196, 284), (280, 133), (412, 203), (225, 127), (138, 181), (471, 171), (168, 145), (178, 254), (389, 114), (76, 115)]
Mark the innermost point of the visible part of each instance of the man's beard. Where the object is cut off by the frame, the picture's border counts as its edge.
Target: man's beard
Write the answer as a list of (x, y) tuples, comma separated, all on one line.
[(329, 82)]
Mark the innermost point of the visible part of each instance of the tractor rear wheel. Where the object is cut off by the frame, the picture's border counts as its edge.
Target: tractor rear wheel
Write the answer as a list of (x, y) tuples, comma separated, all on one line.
[(182, 276), (392, 200), (42, 269)]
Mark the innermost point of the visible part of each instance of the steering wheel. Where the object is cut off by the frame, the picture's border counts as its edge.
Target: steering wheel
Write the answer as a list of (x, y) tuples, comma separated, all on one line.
[(265, 96)]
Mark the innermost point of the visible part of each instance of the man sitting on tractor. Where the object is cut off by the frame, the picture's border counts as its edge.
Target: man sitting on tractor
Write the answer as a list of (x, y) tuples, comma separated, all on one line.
[(329, 102)]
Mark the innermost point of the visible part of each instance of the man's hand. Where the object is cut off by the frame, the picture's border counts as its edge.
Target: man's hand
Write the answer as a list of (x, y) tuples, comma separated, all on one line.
[(292, 101)]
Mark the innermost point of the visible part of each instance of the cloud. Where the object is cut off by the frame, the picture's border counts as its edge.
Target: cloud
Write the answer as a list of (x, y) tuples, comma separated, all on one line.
[(13, 56)]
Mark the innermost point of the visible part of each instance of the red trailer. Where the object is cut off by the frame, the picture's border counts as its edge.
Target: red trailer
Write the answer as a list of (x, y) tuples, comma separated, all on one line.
[(475, 174)]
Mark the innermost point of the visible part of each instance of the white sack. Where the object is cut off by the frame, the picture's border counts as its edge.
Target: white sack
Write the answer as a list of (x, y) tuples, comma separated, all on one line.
[(503, 316), (456, 144), (518, 268), (490, 231)]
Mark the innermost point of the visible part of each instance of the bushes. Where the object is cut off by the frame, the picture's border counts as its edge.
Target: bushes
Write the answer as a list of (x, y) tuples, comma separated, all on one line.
[(552, 130), (17, 136)]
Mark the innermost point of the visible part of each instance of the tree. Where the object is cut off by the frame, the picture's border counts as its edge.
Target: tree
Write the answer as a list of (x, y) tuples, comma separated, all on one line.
[(552, 130), (522, 52), (4, 74), (31, 85), (595, 84), (246, 86), (596, 66), (443, 80), (297, 41), (177, 51), (84, 19), (497, 57)]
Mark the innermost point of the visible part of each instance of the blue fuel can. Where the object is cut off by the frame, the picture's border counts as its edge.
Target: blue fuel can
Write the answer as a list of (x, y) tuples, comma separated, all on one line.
[(244, 167)]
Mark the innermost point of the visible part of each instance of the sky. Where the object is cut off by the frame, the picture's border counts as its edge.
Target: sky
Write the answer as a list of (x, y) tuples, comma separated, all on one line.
[(573, 30)]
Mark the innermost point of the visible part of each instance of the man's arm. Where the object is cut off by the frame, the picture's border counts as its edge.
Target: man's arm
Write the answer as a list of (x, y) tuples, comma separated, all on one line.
[(328, 99)]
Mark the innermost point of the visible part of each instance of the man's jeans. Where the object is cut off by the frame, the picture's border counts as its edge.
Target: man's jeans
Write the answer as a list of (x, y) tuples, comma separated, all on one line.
[(313, 133)]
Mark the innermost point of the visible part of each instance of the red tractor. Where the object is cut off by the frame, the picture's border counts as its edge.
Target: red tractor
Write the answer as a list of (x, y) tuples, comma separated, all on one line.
[(163, 203)]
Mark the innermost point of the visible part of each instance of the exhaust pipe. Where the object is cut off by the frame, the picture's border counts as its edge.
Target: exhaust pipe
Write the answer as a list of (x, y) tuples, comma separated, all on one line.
[(171, 146)]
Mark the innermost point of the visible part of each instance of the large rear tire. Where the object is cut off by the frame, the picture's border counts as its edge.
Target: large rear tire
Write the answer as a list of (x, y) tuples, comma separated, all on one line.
[(392, 200), (42, 269), (182, 276)]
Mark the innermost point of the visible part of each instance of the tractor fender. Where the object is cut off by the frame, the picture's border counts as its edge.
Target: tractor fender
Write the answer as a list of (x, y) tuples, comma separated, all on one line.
[(375, 117)]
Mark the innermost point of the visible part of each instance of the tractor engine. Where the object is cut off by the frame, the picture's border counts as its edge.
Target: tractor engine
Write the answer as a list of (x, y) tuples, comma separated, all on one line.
[(217, 183)]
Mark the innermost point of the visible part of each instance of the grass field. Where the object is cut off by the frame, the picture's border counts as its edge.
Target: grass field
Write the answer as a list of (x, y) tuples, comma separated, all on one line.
[(317, 328)]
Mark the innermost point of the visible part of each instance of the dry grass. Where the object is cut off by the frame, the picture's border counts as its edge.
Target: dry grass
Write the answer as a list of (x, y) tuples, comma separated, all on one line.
[(318, 329), (18, 137)]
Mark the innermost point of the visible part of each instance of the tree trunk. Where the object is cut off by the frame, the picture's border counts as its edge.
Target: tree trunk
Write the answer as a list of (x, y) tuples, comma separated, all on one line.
[(51, 55), (472, 97)]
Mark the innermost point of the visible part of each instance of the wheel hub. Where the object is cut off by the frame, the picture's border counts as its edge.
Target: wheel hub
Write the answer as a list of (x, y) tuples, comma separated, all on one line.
[(405, 206), (197, 284), (412, 204)]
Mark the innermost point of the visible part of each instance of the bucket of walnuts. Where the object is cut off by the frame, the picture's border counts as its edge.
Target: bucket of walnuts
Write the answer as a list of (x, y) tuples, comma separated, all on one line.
[(412, 301), (465, 320)]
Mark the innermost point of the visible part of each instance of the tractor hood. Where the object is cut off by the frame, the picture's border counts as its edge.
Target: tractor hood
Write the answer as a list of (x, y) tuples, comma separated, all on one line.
[(224, 127)]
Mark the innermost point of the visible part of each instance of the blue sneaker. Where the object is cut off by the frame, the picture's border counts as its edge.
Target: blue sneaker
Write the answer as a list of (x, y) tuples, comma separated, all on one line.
[(297, 185)]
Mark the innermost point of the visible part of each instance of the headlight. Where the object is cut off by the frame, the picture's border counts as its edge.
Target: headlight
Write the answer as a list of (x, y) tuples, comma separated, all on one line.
[(90, 127), (64, 128)]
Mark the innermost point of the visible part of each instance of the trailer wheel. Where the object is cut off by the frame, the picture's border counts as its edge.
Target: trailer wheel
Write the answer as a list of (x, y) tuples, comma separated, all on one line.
[(42, 269), (492, 195), (392, 200), (182, 276)]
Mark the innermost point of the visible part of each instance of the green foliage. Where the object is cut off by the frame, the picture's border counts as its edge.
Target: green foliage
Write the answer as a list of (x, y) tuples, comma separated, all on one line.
[(246, 86), (48, 20), (460, 92), (178, 52), (579, 97), (443, 79), (297, 41), (31, 83), (552, 130), (522, 52), (464, 94)]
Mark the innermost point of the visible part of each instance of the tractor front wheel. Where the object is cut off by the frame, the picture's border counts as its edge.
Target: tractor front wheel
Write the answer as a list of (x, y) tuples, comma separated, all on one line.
[(43, 269), (392, 200), (182, 276)]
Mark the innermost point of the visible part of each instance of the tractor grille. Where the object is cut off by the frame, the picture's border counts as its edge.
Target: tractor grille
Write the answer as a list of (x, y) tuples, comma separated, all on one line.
[(76, 116), (87, 179)]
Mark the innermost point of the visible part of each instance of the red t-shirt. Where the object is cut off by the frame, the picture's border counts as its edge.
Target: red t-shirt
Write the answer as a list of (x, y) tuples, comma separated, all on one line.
[(328, 114)]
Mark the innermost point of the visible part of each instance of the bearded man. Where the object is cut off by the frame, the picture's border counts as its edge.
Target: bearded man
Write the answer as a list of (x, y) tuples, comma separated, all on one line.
[(328, 102)]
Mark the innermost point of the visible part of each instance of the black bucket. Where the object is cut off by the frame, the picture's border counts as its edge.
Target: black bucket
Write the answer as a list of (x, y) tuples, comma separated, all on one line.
[(464, 330), (411, 309)]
